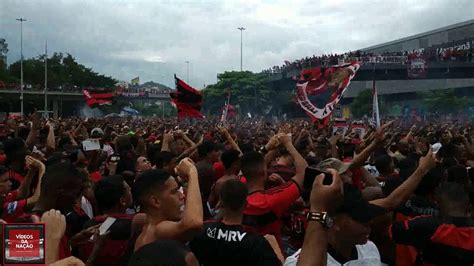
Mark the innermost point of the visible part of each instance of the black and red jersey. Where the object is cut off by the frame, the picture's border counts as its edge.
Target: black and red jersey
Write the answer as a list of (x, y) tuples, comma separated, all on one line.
[(415, 206), (266, 207), (439, 241), (117, 244)]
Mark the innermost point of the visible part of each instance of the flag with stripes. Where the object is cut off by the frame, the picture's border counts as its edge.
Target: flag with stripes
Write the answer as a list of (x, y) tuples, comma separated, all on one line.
[(187, 100)]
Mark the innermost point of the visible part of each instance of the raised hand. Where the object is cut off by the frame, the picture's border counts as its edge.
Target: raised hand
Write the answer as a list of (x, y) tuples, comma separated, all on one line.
[(428, 162), (32, 163), (326, 197), (273, 143), (55, 224), (185, 168)]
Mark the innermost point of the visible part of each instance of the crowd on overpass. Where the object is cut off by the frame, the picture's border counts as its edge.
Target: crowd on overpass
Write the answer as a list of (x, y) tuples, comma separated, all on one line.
[(76, 89), (429, 54)]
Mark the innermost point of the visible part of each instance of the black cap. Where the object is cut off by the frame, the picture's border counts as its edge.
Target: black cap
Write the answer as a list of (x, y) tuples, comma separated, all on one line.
[(357, 207)]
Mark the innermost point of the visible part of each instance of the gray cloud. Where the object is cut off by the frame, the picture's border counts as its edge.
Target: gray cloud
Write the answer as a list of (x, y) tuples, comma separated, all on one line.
[(153, 39)]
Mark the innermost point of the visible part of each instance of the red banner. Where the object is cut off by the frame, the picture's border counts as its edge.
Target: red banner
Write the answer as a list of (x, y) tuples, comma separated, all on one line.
[(93, 99)]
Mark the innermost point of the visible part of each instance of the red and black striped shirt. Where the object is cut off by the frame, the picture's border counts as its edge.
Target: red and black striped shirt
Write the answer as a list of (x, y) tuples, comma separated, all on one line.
[(440, 241)]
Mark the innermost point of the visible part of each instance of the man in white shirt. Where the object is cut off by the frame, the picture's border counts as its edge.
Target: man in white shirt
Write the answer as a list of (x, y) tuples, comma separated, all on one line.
[(348, 233)]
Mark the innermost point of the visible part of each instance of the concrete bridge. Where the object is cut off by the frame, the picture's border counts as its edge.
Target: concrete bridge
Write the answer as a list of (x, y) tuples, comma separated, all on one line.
[(64, 102)]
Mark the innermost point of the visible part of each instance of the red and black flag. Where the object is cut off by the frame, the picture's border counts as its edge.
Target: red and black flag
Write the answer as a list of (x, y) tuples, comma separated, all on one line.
[(187, 99), (318, 90), (96, 98)]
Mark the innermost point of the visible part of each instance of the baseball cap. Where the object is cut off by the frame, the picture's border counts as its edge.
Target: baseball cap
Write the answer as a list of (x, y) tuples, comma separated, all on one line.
[(97, 132), (333, 163), (356, 207)]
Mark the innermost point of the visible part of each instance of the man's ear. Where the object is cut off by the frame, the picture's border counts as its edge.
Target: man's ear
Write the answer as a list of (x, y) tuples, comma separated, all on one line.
[(154, 201)]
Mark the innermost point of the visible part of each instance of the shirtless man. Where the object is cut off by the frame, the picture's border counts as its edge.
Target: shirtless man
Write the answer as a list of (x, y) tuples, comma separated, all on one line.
[(162, 201)]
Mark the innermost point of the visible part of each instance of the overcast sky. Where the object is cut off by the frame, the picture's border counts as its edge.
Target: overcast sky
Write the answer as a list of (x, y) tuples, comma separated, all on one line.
[(153, 39)]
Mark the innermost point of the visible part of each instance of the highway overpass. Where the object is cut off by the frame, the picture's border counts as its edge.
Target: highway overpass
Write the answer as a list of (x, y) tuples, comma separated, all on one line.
[(63, 103)]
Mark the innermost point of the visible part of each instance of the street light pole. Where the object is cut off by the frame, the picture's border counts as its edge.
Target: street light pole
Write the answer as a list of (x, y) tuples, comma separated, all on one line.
[(187, 72), (21, 63), (241, 46)]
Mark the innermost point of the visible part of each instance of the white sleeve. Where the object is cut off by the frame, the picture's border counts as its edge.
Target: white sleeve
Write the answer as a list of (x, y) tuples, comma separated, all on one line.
[(293, 259)]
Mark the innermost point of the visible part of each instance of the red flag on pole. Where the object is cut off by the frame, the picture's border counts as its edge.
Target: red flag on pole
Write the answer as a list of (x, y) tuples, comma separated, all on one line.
[(187, 99)]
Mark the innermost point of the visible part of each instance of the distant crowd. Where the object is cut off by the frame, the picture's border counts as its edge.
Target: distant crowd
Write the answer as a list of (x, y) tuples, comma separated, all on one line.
[(428, 54)]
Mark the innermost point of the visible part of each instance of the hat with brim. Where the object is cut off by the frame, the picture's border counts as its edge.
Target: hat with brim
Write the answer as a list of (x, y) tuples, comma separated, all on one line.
[(333, 163)]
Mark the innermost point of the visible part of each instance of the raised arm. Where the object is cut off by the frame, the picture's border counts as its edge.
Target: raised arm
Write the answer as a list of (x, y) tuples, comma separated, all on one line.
[(229, 139), (271, 149), (167, 139), (50, 140), (40, 168), (55, 223), (404, 191), (333, 142), (322, 200), (299, 161), (359, 159), (192, 220), (35, 126), (190, 151)]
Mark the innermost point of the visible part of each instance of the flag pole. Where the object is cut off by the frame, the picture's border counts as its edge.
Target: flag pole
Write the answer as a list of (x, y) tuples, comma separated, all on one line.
[(46, 114), (375, 101)]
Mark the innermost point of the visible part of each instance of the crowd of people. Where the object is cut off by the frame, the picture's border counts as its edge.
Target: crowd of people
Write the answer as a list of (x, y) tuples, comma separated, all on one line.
[(430, 54), (247, 192)]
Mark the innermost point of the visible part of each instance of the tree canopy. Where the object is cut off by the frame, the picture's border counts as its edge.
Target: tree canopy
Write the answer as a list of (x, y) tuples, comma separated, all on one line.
[(444, 101), (249, 93), (63, 70), (362, 104)]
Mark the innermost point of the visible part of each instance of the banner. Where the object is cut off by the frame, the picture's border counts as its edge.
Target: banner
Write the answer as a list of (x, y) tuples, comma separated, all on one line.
[(133, 94), (340, 127), (388, 59), (187, 100), (359, 129), (318, 83), (94, 99), (417, 68)]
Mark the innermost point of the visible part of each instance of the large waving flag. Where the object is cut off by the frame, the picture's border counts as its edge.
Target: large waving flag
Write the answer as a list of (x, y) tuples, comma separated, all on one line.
[(94, 99), (187, 100), (318, 90)]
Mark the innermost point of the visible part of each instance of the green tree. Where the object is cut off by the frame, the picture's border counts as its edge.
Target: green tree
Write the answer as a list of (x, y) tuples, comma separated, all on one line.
[(362, 104), (249, 92), (63, 70), (444, 101)]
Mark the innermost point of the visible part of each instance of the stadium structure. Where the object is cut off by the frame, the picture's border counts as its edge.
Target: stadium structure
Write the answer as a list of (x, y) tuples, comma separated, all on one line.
[(435, 60)]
